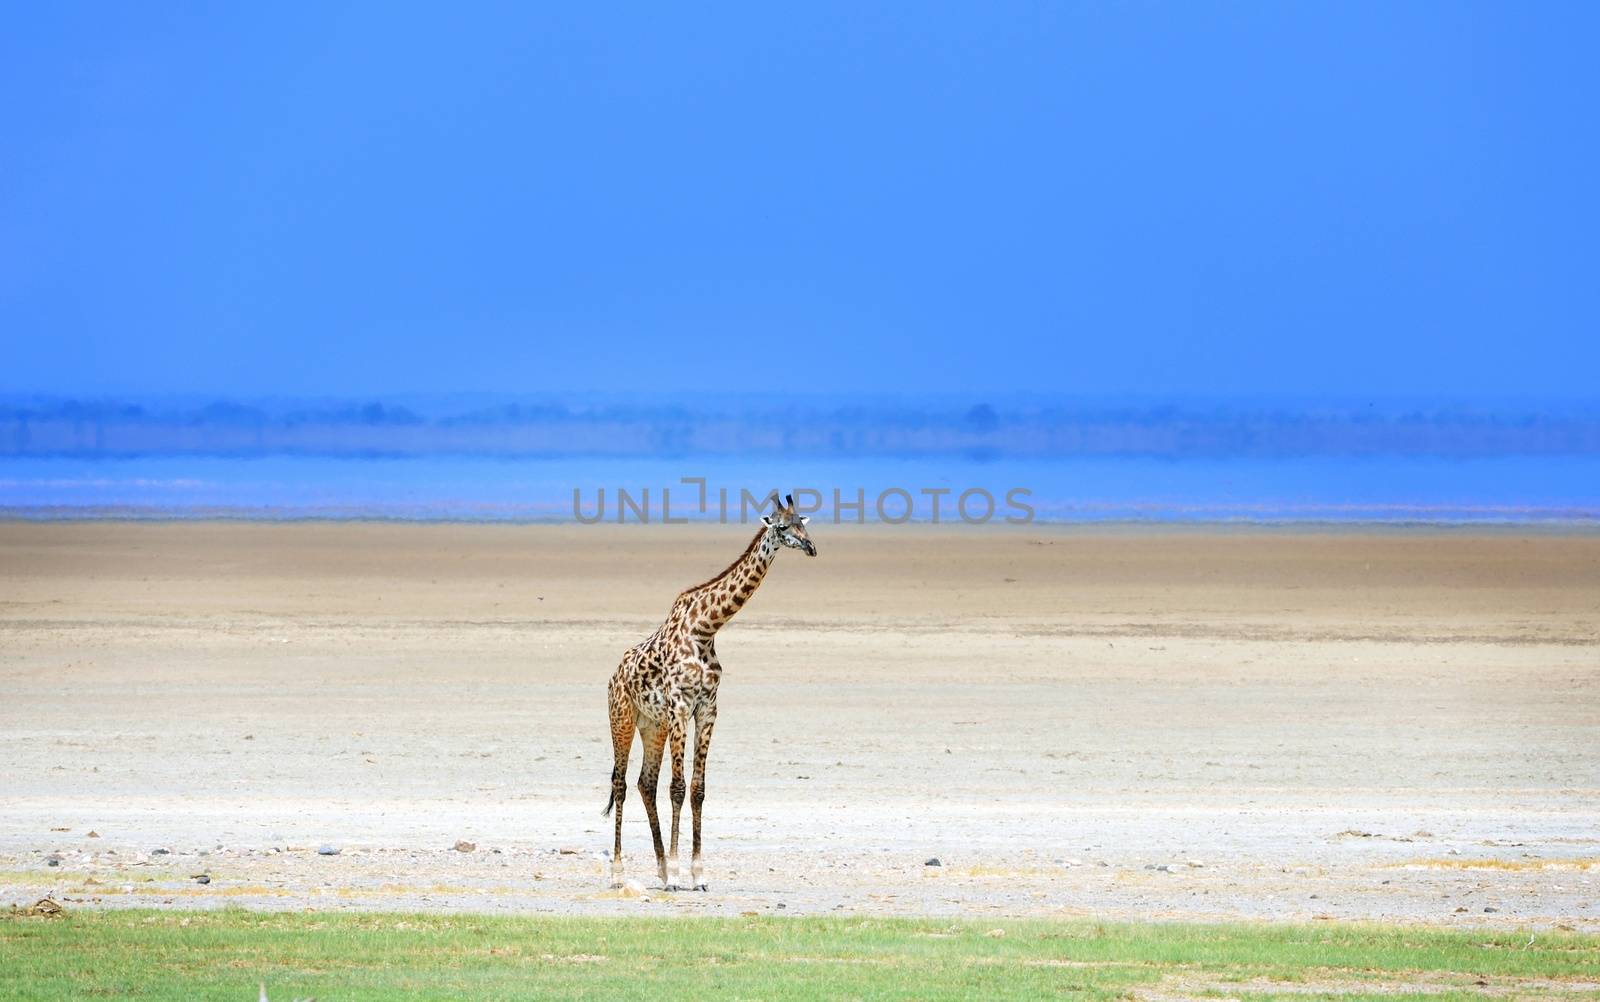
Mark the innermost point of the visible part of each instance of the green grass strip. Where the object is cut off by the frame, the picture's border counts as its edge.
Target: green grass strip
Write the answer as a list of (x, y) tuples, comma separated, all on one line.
[(221, 955)]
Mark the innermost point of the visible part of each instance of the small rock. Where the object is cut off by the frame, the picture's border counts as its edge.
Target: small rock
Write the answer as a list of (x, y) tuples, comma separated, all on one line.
[(568, 850), (160, 852), (463, 845), (327, 850), (201, 878), (933, 861), (92, 834), (1460, 909), (782, 905), (1490, 908), (52, 861)]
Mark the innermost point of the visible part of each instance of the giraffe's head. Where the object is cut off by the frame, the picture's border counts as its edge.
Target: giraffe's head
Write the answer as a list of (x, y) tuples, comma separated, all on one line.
[(790, 527)]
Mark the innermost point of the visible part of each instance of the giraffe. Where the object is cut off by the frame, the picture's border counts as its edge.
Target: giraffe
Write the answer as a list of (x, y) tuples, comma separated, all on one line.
[(672, 675)]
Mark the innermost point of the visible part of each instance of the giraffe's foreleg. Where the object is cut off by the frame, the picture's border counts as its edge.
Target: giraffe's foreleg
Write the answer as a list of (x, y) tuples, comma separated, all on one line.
[(704, 720), (655, 737), (679, 727)]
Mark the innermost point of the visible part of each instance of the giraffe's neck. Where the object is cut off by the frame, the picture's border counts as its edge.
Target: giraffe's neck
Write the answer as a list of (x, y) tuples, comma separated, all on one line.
[(708, 607)]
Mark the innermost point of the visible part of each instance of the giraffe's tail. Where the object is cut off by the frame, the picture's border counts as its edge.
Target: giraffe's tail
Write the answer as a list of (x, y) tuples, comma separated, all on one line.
[(612, 800)]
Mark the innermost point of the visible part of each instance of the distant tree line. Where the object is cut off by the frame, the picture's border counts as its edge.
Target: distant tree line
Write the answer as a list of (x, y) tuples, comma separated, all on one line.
[(979, 430)]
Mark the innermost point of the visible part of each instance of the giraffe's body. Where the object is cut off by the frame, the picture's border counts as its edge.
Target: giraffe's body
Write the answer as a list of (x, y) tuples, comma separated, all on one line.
[(671, 677)]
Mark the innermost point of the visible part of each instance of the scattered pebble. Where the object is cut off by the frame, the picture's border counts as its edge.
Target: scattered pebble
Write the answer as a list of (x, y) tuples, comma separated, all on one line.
[(1490, 908), (933, 861), (327, 850), (464, 846), (92, 834), (160, 852), (201, 878)]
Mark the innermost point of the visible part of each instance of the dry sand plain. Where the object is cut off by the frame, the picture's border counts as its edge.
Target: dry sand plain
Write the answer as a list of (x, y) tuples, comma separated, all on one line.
[(1129, 723)]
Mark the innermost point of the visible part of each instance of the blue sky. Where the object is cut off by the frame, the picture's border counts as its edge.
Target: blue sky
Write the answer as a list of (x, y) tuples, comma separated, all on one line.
[(1318, 199)]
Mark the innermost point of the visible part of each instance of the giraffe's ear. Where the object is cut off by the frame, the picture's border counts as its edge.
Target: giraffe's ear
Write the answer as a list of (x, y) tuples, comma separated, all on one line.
[(766, 519)]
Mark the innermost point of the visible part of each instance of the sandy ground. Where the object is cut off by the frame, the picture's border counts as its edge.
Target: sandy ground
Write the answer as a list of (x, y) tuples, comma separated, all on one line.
[(1127, 723)]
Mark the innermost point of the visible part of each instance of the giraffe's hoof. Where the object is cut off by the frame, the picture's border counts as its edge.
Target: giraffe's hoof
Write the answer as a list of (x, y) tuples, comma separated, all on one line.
[(701, 887), (673, 887), (616, 885)]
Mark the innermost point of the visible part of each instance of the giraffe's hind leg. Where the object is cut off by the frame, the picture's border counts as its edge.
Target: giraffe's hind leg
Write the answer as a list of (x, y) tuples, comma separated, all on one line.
[(622, 727), (653, 733)]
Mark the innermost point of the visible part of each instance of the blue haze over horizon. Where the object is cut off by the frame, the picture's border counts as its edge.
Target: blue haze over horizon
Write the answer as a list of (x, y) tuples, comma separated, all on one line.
[(1221, 225)]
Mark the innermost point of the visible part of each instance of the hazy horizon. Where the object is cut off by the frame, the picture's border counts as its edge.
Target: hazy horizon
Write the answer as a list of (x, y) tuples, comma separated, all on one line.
[(1248, 259)]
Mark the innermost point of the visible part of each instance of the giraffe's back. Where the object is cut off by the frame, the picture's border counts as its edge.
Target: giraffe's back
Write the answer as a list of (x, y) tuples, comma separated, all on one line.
[(663, 674)]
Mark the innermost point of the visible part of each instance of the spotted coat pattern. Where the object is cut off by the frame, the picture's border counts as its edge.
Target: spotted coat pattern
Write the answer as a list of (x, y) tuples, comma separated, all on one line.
[(671, 677)]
